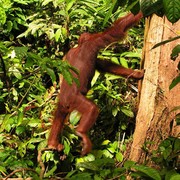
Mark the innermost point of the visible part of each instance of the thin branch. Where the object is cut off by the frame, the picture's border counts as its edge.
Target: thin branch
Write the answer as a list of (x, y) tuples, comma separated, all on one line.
[(26, 93), (19, 170), (41, 162)]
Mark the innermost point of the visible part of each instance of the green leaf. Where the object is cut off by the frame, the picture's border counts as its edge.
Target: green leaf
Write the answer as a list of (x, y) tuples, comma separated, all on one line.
[(115, 60), (106, 142), (66, 71), (34, 56), (67, 147), (33, 123), (20, 129), (45, 2), (3, 169), (57, 35), (70, 173), (81, 176), (123, 62), (67, 76), (129, 164), (175, 177), (6, 4), (107, 153), (111, 150), (88, 165), (171, 174), (9, 26), (127, 112), (24, 2), (119, 157), (29, 62), (151, 6), (166, 143), (109, 13), (20, 117), (150, 172), (35, 140), (177, 144), (167, 152), (133, 5), (2, 16), (74, 117), (172, 10), (7, 124), (69, 4), (42, 144), (115, 111), (16, 73), (175, 52), (51, 73), (131, 54), (96, 76), (100, 164), (21, 52), (1, 84), (3, 47), (174, 82), (51, 171), (15, 94)]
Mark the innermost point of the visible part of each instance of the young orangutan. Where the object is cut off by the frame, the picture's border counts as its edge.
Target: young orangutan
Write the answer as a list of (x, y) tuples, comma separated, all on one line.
[(84, 59)]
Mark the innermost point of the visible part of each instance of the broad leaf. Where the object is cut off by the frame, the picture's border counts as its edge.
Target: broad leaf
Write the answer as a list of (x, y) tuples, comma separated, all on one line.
[(51, 73), (172, 10), (175, 177), (51, 171), (81, 176), (74, 117), (175, 52), (151, 6), (21, 51), (177, 144), (150, 172), (119, 157), (124, 62), (2, 16), (16, 72), (129, 164), (127, 112)]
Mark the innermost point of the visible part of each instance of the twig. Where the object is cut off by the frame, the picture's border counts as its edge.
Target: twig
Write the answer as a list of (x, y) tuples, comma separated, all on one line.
[(26, 93), (41, 162), (19, 170)]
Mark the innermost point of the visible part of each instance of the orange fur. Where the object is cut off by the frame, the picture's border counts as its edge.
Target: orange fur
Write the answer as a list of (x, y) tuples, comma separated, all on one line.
[(84, 59)]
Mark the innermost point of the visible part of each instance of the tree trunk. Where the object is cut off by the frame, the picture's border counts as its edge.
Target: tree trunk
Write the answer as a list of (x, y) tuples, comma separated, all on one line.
[(155, 121)]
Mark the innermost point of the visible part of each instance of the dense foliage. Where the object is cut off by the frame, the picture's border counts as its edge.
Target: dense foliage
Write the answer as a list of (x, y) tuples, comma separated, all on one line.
[(34, 36)]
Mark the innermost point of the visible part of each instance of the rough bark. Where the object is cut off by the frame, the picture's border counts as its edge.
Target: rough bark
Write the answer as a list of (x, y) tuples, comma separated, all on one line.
[(155, 121)]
